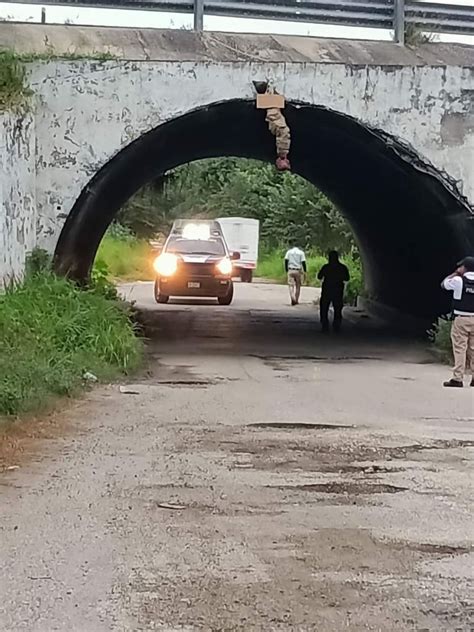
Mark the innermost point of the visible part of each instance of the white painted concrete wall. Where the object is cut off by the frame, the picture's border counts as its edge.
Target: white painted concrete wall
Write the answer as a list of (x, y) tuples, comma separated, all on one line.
[(87, 111), (17, 193)]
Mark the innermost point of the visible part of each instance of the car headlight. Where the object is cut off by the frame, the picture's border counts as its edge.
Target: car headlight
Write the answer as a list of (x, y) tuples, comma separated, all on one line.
[(166, 264), (225, 266)]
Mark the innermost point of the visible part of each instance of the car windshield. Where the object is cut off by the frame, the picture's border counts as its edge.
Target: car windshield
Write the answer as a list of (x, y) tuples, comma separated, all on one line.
[(196, 246)]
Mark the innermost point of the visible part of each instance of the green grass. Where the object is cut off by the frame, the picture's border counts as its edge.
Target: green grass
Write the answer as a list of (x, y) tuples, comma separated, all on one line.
[(14, 91), (51, 334), (13, 88), (126, 258), (441, 337), (271, 266)]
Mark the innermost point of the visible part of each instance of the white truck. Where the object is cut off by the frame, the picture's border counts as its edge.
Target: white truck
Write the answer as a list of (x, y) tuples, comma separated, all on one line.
[(241, 235)]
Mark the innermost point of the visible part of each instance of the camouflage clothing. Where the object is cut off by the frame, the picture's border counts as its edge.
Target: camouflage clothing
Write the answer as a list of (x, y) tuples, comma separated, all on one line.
[(278, 127)]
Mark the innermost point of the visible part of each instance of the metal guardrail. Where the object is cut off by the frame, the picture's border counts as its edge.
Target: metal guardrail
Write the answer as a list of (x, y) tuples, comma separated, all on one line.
[(386, 14)]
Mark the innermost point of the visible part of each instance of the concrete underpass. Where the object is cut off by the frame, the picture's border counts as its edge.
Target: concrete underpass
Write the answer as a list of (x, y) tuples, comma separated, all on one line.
[(400, 208), (256, 475), (385, 131)]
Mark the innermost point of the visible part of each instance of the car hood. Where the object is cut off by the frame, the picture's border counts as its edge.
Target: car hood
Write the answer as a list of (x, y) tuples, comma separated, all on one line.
[(200, 258)]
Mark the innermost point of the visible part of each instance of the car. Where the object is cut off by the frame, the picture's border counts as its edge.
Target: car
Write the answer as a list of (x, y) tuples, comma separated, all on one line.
[(195, 261)]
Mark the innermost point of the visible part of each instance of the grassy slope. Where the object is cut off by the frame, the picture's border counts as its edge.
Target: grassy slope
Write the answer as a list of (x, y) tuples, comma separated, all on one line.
[(126, 258), (51, 333), (441, 337)]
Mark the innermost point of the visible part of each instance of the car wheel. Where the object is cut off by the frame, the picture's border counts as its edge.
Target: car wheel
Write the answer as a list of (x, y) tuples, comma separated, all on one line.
[(227, 299), (159, 297)]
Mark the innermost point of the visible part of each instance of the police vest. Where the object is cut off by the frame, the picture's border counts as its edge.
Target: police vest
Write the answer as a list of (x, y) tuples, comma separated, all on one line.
[(466, 302)]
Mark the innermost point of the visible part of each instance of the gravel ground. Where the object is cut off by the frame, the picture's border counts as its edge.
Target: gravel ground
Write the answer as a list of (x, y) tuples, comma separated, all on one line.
[(258, 476)]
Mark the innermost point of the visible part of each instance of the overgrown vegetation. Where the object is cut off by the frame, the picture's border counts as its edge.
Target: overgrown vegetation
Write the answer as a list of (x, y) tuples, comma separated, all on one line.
[(50, 54), (55, 337), (440, 336), (124, 256), (14, 91), (287, 205), (415, 36), (13, 88)]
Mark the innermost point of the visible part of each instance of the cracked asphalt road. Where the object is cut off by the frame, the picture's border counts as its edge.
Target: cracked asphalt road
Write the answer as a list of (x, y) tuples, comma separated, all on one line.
[(260, 476)]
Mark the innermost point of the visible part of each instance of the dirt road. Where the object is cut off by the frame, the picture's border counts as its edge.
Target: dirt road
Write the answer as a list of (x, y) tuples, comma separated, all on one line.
[(261, 476)]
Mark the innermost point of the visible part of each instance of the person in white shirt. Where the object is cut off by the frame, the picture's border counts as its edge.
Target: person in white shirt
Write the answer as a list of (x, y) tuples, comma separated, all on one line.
[(295, 266), (461, 284)]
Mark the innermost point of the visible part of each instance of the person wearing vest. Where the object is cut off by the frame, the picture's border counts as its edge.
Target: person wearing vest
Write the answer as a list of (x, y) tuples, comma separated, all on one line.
[(461, 284)]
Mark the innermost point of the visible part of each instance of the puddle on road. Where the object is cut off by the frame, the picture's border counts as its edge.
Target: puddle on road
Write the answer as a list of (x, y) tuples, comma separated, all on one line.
[(342, 487), (297, 425)]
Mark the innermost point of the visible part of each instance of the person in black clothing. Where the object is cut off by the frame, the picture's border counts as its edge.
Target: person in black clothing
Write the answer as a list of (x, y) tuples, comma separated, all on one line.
[(334, 275)]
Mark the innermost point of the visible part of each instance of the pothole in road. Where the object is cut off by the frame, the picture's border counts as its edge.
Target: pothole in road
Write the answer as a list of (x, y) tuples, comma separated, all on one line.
[(318, 449), (438, 549), (297, 425), (350, 488), (286, 363), (181, 375), (201, 383), (339, 468), (196, 382), (440, 444), (312, 465)]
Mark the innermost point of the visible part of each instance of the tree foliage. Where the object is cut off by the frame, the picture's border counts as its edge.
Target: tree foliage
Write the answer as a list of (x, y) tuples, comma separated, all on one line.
[(287, 206)]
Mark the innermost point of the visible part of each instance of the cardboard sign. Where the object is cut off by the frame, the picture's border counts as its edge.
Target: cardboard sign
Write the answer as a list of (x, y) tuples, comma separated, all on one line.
[(266, 101)]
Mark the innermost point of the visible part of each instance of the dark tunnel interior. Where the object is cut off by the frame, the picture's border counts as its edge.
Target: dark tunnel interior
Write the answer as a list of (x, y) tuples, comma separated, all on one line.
[(411, 223)]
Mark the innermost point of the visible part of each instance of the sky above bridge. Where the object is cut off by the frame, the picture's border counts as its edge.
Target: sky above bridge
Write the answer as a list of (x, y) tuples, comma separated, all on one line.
[(156, 19)]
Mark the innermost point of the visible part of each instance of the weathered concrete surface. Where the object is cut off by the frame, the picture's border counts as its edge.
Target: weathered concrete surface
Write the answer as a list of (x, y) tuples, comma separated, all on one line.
[(367, 527), (179, 45), (86, 111), (95, 109), (17, 192)]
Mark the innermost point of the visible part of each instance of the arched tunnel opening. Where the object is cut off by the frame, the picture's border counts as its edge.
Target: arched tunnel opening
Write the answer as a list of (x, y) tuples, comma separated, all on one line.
[(411, 223)]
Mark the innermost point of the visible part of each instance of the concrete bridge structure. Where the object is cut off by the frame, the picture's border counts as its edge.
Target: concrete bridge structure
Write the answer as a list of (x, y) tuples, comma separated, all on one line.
[(386, 132)]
